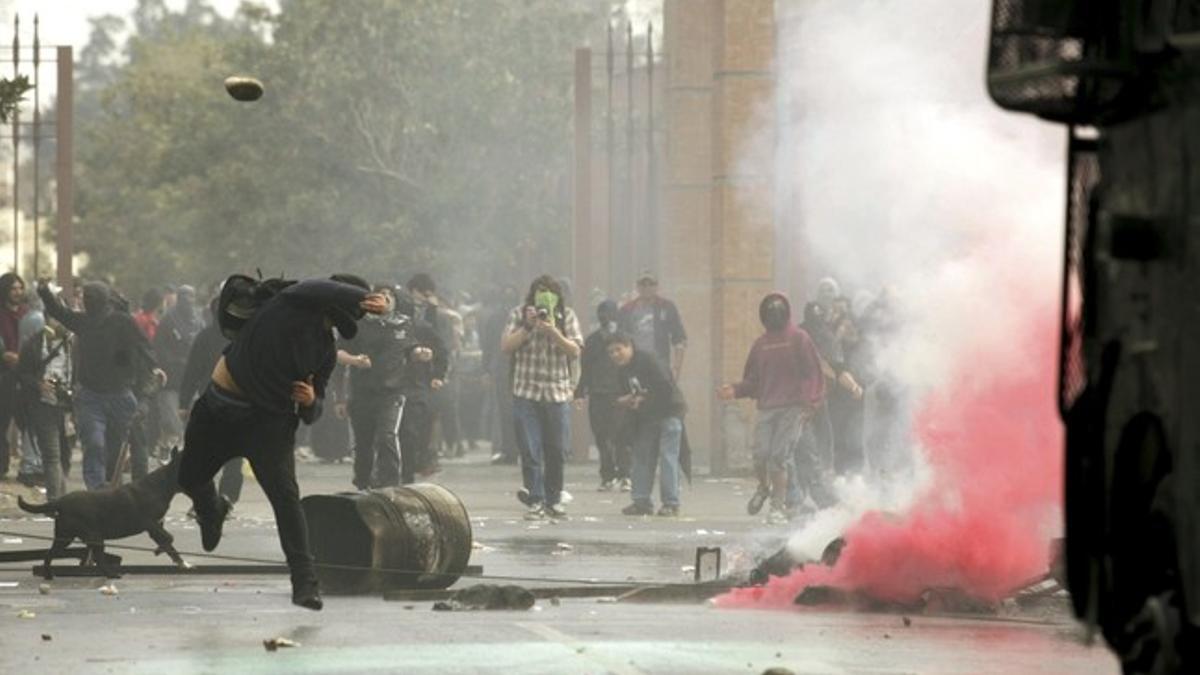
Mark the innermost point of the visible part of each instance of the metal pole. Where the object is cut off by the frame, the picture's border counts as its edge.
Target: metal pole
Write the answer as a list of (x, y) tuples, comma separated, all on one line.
[(64, 121), (651, 195), (609, 156), (630, 227), (16, 162), (582, 250), (37, 120)]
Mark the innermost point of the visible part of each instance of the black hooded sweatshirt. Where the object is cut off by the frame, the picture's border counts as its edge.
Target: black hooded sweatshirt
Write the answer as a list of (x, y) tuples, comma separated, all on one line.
[(112, 351), (287, 340)]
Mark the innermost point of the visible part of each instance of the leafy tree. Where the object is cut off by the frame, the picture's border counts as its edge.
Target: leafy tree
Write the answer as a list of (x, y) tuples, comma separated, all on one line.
[(430, 134)]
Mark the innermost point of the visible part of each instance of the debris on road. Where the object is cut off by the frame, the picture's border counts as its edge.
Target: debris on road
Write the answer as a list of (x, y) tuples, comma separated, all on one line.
[(108, 589), (46, 637), (563, 546), (26, 614), (273, 644), (487, 597)]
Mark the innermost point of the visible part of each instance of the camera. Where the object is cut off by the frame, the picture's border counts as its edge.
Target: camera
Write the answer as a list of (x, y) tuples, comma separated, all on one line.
[(543, 314)]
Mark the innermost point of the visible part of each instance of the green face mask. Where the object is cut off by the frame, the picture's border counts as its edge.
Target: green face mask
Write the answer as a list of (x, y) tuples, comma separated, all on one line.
[(547, 300)]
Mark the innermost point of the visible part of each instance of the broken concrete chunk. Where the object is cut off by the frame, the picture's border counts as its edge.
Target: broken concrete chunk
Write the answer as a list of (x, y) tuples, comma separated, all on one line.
[(812, 596), (26, 614)]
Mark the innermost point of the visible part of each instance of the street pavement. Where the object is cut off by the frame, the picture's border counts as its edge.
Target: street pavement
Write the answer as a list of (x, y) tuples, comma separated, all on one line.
[(211, 624)]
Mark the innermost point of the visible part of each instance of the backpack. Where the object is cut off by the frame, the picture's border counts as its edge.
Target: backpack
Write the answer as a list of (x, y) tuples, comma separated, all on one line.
[(241, 296)]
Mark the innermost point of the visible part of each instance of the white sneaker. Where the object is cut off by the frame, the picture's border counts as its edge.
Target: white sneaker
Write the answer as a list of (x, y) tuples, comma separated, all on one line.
[(565, 497), (776, 516), (626, 485), (556, 511), (536, 512)]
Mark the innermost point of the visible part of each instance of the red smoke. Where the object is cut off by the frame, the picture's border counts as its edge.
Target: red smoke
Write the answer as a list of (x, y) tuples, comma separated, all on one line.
[(993, 440)]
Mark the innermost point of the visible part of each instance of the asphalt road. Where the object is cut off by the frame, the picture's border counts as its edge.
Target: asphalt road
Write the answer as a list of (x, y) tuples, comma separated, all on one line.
[(208, 624)]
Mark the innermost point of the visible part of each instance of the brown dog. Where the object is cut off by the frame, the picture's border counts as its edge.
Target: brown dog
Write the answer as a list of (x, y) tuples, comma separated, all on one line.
[(113, 513)]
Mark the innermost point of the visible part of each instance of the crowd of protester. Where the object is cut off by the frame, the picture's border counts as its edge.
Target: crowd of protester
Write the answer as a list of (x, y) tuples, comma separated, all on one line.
[(440, 374)]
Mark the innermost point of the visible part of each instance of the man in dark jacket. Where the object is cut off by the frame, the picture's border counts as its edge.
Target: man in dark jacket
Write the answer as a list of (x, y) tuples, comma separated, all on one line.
[(272, 376), (112, 354), (387, 345), (657, 408), (172, 343), (600, 383), (783, 374), (655, 326), (424, 376)]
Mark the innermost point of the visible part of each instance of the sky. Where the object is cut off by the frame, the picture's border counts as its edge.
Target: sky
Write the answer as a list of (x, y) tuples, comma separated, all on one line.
[(65, 22)]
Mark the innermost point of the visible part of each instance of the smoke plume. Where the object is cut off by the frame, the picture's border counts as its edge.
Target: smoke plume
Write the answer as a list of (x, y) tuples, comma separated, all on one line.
[(901, 173)]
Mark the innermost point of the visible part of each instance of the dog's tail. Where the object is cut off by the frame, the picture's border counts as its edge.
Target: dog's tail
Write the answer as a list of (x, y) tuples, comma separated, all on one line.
[(48, 507)]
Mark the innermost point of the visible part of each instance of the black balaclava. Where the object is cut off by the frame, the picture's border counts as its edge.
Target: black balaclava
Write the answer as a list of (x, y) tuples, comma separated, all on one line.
[(775, 312), (97, 299)]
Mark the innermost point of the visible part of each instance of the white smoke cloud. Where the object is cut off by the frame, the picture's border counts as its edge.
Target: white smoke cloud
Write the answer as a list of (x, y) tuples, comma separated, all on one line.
[(900, 171)]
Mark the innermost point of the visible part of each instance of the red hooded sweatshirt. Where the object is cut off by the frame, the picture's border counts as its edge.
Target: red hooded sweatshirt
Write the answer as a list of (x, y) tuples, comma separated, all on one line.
[(783, 368)]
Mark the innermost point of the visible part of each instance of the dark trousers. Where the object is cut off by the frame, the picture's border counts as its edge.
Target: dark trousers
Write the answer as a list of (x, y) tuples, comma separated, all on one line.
[(415, 427), (504, 436), (376, 418), (140, 431), (45, 423), (221, 428), (608, 420)]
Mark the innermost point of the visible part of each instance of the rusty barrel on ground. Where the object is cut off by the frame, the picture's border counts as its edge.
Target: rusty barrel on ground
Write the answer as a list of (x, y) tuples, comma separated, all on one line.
[(416, 536)]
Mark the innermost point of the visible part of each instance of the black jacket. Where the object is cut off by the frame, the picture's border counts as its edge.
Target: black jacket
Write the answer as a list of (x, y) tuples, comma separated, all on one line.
[(646, 376), (598, 374), (112, 351), (288, 340), (173, 342), (387, 340)]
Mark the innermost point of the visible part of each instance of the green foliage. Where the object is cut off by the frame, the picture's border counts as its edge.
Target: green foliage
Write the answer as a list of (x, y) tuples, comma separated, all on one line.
[(393, 136), (12, 92)]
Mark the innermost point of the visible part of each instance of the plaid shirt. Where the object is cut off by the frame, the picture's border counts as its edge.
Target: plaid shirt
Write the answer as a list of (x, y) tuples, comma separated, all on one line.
[(542, 371)]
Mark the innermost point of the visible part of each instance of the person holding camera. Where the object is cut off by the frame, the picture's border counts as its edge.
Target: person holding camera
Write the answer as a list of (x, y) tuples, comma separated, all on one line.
[(657, 408), (45, 371), (544, 340)]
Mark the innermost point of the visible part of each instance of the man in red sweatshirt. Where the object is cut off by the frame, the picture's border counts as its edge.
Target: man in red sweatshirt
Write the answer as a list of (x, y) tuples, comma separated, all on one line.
[(783, 374)]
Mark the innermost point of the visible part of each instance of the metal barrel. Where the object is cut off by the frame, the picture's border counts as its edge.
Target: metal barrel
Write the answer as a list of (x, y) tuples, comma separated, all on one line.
[(360, 540)]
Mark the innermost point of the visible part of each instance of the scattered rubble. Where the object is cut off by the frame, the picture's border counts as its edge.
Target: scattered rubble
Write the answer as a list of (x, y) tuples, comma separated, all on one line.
[(46, 637), (275, 643), (108, 589), (44, 589), (26, 614)]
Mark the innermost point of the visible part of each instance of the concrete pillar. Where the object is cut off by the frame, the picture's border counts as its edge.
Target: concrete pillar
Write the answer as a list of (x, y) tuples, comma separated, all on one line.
[(743, 204), (687, 251)]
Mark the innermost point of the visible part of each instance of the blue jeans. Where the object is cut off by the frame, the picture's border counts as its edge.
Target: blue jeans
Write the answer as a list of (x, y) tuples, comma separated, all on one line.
[(103, 421), (656, 443), (543, 430)]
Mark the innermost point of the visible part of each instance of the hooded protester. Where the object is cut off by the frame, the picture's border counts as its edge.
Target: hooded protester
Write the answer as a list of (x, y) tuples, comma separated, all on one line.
[(12, 309), (601, 384), (273, 375), (783, 375), (172, 343), (112, 354)]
